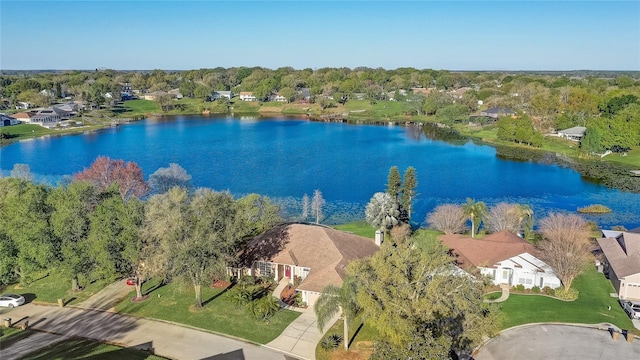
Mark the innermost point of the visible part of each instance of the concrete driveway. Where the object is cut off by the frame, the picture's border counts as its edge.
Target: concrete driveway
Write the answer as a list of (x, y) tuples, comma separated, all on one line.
[(301, 337), (108, 297), (546, 341), (165, 339)]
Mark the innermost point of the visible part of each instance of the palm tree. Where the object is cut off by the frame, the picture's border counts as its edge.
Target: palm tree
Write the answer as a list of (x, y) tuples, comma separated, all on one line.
[(525, 215), (476, 212), (335, 299)]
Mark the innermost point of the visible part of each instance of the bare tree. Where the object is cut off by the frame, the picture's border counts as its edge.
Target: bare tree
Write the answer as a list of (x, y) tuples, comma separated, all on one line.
[(305, 207), (447, 218), (316, 205), (566, 245), (165, 178), (21, 171), (504, 216)]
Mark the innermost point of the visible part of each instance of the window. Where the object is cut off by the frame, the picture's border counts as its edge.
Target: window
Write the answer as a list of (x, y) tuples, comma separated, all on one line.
[(264, 268)]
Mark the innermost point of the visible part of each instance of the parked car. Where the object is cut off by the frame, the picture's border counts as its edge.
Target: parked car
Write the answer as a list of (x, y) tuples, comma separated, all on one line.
[(11, 300), (131, 281), (631, 308)]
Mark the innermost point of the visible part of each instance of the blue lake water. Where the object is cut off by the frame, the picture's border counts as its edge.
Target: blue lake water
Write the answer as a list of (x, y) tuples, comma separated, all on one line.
[(285, 158)]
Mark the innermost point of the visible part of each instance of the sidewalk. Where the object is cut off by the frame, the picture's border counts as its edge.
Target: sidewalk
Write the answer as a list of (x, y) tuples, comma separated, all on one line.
[(164, 339), (108, 297), (301, 337)]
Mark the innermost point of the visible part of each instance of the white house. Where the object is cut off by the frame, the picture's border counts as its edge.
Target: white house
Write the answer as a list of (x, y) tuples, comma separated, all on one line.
[(575, 133), (221, 94), (621, 260), (306, 255), (247, 96), (504, 257)]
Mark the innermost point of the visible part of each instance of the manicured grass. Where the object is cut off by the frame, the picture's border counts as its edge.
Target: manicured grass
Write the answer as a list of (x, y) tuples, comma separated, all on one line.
[(87, 349), (632, 158), (359, 228), (52, 287), (174, 303), (139, 107), (589, 308), (360, 347)]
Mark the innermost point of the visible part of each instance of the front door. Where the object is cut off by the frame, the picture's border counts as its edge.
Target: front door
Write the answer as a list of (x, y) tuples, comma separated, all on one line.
[(287, 271)]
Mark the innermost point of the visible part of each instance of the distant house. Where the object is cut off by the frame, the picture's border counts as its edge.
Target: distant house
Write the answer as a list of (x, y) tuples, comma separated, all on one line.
[(312, 255), (175, 93), (50, 117), (247, 96), (504, 257), (277, 97), (575, 133), (154, 95), (497, 112), (621, 262), (423, 91), (304, 94), (24, 117), (23, 105), (8, 120), (221, 94), (359, 96)]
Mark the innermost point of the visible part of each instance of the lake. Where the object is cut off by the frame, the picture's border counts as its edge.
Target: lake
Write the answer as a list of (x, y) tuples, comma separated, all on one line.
[(284, 158)]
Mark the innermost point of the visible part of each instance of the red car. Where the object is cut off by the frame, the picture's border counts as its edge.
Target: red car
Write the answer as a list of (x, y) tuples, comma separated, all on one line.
[(131, 281)]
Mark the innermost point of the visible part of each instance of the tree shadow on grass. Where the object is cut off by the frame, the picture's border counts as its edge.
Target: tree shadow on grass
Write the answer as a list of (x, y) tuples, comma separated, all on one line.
[(204, 303), (355, 334), (157, 286)]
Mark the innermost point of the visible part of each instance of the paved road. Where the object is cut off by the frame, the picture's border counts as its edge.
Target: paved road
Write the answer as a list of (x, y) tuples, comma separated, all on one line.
[(168, 340), (544, 341), (36, 340)]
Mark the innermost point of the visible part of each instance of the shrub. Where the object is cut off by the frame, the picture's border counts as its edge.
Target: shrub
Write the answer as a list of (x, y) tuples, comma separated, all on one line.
[(520, 287), (548, 291), (594, 209), (570, 294), (264, 308), (536, 289), (330, 342)]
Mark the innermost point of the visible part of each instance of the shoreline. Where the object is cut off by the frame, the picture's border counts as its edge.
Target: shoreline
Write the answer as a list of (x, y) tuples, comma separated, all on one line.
[(611, 174)]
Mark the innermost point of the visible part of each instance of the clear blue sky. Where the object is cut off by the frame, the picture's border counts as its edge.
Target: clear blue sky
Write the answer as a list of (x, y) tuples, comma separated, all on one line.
[(453, 35)]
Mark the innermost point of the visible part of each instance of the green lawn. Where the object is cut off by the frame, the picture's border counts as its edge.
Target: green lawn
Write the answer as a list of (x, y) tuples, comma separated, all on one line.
[(138, 107), (52, 287), (362, 333), (173, 303), (589, 308), (359, 228), (79, 348)]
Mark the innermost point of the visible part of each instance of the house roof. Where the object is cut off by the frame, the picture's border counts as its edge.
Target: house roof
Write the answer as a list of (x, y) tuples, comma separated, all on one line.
[(488, 251), (324, 250), (23, 115), (625, 260), (574, 131), (246, 93)]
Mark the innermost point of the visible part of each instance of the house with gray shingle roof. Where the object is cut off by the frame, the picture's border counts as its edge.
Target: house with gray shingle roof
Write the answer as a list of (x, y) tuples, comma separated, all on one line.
[(621, 250), (497, 112), (575, 133)]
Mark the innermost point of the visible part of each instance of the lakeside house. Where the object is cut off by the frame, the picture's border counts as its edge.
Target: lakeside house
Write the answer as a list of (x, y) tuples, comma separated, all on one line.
[(504, 257), (308, 256), (176, 94), (575, 133), (219, 94), (621, 262), (6, 120), (247, 96), (497, 112)]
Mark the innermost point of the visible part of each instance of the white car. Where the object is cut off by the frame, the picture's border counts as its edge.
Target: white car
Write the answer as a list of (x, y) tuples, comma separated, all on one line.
[(631, 308), (11, 300)]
